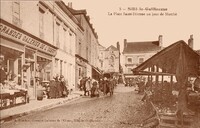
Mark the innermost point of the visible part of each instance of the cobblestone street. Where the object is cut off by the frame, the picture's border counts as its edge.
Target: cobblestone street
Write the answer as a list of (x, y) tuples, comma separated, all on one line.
[(123, 109)]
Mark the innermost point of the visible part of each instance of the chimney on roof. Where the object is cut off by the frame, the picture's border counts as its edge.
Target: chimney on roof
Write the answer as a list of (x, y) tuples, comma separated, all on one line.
[(160, 39), (118, 46), (88, 17), (70, 4), (125, 43), (190, 41)]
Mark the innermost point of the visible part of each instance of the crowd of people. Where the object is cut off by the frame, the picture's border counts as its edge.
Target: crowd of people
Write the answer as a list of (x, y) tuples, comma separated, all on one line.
[(58, 87), (93, 88)]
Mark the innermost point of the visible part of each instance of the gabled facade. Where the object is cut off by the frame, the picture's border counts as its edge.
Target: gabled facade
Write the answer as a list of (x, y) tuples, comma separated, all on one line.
[(110, 59), (135, 53)]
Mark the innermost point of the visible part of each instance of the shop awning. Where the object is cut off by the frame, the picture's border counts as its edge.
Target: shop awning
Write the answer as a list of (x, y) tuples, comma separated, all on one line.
[(96, 70)]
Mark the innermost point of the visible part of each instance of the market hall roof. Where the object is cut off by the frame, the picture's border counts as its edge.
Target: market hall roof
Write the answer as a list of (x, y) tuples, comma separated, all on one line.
[(141, 47), (177, 58)]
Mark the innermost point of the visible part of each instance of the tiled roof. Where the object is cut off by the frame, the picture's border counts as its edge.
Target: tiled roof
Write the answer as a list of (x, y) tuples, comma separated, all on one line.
[(101, 47), (111, 47), (198, 51), (141, 47)]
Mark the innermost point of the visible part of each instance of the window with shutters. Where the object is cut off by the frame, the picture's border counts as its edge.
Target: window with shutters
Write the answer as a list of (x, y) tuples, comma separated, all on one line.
[(41, 23), (16, 13), (57, 34)]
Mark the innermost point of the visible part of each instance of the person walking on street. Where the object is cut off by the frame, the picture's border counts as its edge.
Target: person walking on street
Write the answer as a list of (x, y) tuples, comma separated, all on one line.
[(101, 85), (94, 88), (88, 86), (63, 85), (59, 88), (111, 86), (52, 88), (105, 86), (84, 85)]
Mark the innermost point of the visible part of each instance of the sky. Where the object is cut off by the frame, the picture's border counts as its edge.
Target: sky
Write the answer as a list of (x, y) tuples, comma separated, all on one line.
[(184, 21)]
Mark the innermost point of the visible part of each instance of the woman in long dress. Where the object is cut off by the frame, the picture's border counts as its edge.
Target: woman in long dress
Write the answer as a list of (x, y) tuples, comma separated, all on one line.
[(52, 89), (88, 86)]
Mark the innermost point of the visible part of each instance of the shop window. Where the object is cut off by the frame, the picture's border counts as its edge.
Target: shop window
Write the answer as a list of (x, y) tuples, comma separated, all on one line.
[(16, 13), (41, 23), (29, 54)]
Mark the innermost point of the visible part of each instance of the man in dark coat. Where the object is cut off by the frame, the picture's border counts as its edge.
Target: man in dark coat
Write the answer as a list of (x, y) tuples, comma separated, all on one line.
[(84, 85), (59, 88), (52, 89), (63, 86), (105, 86), (93, 89)]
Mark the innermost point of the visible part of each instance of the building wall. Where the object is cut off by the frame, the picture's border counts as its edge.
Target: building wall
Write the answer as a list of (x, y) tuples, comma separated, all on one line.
[(30, 21), (108, 65), (67, 41), (128, 65), (101, 57), (89, 44)]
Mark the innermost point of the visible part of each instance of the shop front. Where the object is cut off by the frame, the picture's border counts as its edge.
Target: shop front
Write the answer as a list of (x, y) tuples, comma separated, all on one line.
[(25, 62), (80, 69)]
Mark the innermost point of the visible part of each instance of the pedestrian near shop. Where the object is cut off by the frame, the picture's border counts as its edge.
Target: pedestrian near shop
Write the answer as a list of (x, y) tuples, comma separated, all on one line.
[(84, 85), (59, 88), (101, 85), (88, 86), (197, 84), (111, 86), (81, 84), (52, 89), (94, 88), (105, 86), (64, 86)]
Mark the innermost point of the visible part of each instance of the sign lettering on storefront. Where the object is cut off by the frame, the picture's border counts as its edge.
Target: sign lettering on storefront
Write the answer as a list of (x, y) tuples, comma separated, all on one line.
[(25, 39)]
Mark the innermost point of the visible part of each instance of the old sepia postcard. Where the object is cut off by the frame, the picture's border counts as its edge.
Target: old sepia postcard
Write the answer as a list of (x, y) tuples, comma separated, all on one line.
[(99, 64)]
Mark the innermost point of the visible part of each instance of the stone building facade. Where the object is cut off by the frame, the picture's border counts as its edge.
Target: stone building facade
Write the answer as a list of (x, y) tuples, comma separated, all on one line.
[(38, 41), (135, 53)]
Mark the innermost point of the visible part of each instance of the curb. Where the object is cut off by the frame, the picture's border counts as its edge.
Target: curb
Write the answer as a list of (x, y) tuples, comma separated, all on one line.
[(53, 105)]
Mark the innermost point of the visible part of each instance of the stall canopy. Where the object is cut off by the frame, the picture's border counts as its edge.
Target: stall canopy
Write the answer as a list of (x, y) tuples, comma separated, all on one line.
[(177, 59)]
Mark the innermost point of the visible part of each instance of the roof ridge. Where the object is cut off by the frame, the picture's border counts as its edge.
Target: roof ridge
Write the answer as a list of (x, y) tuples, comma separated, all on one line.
[(144, 41)]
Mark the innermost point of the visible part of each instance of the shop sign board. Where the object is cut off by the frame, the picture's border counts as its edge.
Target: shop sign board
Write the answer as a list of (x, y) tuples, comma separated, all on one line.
[(21, 37)]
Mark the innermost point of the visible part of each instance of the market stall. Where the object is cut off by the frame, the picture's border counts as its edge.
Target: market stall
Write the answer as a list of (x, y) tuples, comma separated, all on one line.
[(12, 95), (180, 63)]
